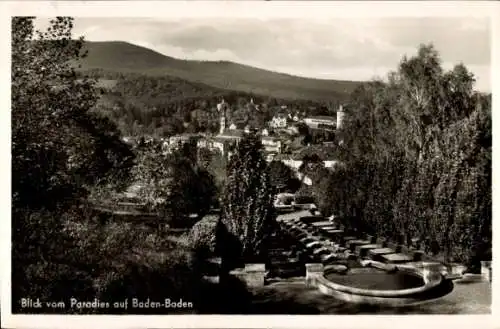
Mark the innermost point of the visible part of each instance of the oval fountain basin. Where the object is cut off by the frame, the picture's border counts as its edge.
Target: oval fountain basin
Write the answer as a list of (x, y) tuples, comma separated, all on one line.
[(375, 279), (368, 285)]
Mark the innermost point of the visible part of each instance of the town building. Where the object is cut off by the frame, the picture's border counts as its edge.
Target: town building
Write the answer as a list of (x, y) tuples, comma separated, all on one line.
[(279, 121), (271, 144), (321, 122), (175, 142), (205, 143), (226, 141), (327, 123)]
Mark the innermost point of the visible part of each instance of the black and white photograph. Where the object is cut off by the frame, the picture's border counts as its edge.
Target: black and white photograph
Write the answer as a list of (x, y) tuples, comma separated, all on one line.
[(244, 159)]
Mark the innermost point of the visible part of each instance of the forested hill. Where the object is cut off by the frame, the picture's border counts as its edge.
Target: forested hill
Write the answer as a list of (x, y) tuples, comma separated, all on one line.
[(123, 57), (163, 105)]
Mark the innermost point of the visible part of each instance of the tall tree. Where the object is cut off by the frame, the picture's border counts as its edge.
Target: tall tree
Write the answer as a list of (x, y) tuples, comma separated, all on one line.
[(59, 147), (247, 210), (418, 156), (60, 151)]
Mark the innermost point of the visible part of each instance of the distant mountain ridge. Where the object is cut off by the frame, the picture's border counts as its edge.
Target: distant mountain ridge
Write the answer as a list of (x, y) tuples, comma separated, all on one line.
[(118, 56)]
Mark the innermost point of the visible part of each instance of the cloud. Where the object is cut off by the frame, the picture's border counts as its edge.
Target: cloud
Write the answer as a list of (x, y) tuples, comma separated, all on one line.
[(318, 48)]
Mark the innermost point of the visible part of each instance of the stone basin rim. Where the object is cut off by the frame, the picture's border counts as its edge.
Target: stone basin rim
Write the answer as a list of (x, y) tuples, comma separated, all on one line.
[(430, 281)]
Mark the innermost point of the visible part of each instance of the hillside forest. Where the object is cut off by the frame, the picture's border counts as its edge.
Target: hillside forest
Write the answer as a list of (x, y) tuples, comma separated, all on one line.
[(162, 106)]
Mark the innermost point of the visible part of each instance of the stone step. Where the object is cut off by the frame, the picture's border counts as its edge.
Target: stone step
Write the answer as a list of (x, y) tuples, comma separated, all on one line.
[(380, 265), (327, 258), (322, 224), (380, 251), (313, 245), (353, 243), (336, 268), (327, 228), (333, 230), (341, 249), (362, 250), (344, 240), (433, 266), (322, 250), (397, 258), (308, 239)]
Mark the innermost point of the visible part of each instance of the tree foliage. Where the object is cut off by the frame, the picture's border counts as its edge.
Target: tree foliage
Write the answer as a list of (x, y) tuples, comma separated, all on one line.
[(59, 147), (247, 206), (164, 105), (282, 177), (60, 151), (174, 183), (203, 236), (417, 159)]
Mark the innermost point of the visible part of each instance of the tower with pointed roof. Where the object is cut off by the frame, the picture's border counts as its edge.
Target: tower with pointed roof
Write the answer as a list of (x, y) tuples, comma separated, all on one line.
[(340, 117), (222, 109)]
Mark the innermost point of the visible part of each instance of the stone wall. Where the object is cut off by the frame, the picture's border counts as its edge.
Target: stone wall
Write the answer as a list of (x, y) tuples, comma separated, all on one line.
[(252, 274)]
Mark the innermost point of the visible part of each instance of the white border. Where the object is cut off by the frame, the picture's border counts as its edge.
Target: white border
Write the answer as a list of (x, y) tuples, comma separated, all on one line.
[(252, 9), (272, 9)]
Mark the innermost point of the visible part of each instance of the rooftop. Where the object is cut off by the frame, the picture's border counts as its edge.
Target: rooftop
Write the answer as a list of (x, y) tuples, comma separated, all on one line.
[(321, 117), (270, 138), (231, 133), (229, 136)]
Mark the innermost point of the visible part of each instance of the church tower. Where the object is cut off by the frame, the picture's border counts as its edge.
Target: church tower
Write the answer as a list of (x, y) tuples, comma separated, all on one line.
[(340, 123), (340, 117), (222, 109)]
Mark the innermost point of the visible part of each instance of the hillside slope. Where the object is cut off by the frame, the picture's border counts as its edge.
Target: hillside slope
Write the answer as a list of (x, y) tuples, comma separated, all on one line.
[(128, 58)]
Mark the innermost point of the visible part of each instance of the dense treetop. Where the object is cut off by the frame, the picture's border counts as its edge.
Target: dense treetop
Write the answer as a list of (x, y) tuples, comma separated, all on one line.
[(418, 160)]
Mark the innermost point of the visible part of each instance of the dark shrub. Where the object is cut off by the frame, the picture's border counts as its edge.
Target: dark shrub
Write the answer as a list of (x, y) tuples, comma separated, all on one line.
[(154, 275), (304, 195), (203, 235)]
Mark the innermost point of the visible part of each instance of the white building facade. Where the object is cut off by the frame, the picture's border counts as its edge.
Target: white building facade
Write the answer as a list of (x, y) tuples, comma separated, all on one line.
[(279, 122)]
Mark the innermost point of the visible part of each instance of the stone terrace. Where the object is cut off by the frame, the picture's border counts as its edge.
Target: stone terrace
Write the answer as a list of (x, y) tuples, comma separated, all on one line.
[(325, 243)]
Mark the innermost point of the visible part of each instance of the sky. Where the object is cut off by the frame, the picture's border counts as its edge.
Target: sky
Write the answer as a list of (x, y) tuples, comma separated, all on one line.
[(327, 48)]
